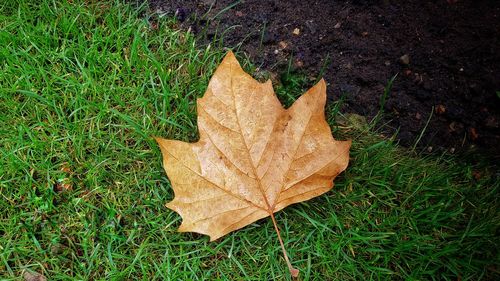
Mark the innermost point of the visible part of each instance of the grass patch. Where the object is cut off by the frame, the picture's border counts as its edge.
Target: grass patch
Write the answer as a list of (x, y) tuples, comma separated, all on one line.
[(83, 87)]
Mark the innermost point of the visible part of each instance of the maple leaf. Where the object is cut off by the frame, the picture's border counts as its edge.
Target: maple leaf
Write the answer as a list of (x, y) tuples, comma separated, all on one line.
[(253, 157)]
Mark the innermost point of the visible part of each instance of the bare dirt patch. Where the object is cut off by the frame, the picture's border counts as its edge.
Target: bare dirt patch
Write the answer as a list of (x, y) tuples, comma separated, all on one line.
[(446, 54)]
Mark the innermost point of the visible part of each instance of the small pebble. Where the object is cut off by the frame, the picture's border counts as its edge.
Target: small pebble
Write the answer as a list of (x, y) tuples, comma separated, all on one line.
[(453, 126), (405, 59), (473, 134), (299, 63), (337, 26), (440, 109), (296, 31)]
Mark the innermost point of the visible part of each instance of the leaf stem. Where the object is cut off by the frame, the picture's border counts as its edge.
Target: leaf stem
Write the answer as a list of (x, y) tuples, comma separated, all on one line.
[(293, 271)]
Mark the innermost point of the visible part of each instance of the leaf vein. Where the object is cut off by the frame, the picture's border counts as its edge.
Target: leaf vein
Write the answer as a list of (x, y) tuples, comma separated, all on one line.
[(216, 185)]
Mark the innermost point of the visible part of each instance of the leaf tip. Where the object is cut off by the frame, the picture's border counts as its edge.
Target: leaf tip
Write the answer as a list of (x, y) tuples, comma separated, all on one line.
[(346, 143), (322, 87), (230, 58), (171, 205), (322, 81), (161, 143)]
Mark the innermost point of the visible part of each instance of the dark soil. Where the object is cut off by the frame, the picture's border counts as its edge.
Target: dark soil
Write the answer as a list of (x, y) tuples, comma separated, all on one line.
[(451, 67)]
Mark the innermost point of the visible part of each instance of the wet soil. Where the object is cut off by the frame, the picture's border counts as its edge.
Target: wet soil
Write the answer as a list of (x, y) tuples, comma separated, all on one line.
[(445, 53)]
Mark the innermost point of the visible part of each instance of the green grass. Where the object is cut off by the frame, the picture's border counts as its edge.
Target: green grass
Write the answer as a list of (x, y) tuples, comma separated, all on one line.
[(84, 86)]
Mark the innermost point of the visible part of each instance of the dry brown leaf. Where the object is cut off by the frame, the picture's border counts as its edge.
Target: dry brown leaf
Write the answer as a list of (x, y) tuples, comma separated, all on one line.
[(253, 158), (33, 276)]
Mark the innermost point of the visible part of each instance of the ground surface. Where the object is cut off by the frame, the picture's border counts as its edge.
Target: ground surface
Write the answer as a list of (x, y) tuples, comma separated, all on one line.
[(84, 86), (453, 51)]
